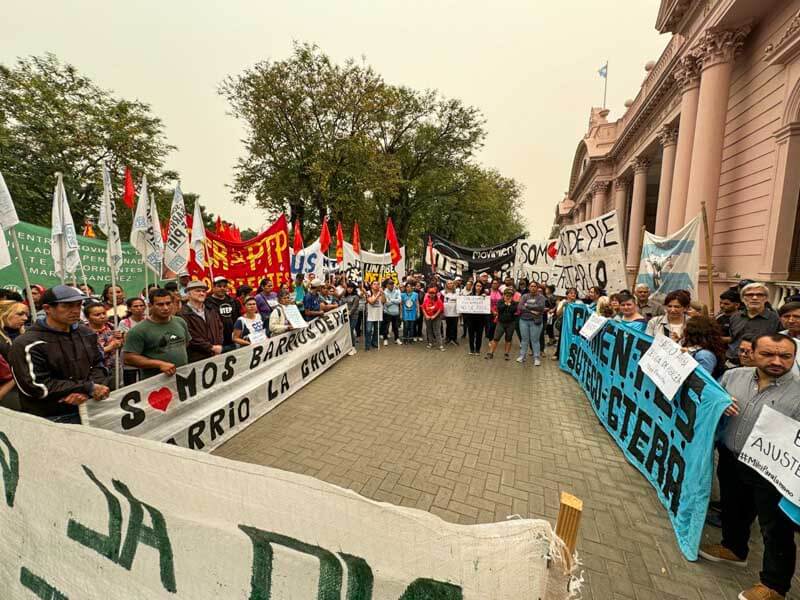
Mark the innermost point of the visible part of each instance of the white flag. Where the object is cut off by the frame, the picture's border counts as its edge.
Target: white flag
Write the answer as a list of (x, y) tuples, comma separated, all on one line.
[(5, 257), (8, 214), (176, 251), (146, 231), (63, 236), (198, 235), (107, 223), (671, 263)]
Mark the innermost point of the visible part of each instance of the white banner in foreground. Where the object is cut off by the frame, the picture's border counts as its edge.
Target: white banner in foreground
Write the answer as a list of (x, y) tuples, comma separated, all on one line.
[(773, 450), (206, 402), (87, 514)]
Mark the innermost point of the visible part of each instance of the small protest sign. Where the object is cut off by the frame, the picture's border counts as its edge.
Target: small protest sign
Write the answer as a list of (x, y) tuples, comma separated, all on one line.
[(294, 317), (592, 326), (773, 450), (667, 366), (474, 305)]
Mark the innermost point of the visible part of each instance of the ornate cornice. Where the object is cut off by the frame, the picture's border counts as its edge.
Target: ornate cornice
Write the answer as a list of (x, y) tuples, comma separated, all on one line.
[(668, 135), (641, 164), (671, 14), (717, 46), (687, 73), (621, 183), (787, 47)]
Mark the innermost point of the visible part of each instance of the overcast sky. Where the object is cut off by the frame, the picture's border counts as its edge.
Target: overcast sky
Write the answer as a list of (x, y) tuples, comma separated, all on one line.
[(530, 66)]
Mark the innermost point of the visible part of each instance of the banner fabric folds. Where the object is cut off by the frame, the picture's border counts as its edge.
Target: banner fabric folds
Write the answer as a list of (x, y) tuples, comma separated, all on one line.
[(451, 260), (87, 514), (536, 261), (264, 256), (671, 263), (205, 403), (669, 442)]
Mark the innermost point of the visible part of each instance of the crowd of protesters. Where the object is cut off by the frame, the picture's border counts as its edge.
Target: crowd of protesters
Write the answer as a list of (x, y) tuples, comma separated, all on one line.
[(65, 349)]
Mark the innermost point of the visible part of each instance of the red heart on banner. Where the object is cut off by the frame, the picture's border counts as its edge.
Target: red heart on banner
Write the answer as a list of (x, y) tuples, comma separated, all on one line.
[(160, 399), (552, 250)]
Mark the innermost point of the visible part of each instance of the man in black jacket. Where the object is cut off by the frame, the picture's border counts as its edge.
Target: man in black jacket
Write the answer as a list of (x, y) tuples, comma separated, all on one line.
[(57, 362), (228, 309)]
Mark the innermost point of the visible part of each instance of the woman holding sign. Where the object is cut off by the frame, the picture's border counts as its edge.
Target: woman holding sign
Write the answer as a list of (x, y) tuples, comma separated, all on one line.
[(475, 323), (249, 328), (278, 322)]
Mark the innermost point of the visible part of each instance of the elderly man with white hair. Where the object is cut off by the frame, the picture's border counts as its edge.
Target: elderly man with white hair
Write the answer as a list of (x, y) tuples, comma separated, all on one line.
[(647, 307), (757, 319)]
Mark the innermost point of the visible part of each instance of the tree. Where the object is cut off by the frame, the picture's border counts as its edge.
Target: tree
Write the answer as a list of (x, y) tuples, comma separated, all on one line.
[(319, 135), (53, 119)]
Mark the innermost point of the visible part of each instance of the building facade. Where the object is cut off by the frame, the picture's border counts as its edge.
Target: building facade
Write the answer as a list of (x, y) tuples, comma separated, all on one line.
[(716, 123)]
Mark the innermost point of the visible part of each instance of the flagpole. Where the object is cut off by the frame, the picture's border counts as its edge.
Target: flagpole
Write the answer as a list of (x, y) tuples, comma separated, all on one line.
[(605, 86), (24, 270), (61, 241), (709, 259)]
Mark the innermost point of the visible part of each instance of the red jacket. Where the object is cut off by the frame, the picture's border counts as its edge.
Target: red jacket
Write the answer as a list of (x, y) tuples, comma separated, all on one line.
[(431, 307)]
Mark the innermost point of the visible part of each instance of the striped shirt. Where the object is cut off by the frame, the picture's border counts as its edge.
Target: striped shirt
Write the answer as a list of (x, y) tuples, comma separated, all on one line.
[(783, 394)]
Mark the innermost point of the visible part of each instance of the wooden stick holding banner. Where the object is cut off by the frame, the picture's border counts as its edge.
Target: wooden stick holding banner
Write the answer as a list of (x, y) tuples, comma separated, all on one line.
[(25, 279), (709, 259)]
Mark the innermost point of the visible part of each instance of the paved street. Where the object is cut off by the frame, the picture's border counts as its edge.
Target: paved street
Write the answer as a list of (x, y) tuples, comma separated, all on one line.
[(474, 441)]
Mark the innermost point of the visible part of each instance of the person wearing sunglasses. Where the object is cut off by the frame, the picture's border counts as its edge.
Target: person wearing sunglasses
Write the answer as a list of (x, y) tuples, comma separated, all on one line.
[(756, 319)]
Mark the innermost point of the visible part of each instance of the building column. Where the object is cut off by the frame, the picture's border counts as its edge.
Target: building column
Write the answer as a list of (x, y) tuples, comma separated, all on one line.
[(620, 199), (688, 76), (582, 212), (716, 53), (638, 202), (669, 140), (599, 195)]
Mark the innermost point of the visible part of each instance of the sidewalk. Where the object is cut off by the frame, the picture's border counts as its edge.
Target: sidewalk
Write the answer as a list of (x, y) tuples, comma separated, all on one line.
[(474, 441)]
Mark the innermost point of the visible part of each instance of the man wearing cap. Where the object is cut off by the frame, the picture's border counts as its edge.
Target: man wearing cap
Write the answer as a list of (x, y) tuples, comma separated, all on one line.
[(205, 324), (57, 363), (228, 309), (312, 304), (183, 280)]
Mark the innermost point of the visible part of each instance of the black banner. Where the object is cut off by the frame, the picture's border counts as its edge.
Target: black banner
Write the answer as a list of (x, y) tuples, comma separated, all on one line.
[(451, 260)]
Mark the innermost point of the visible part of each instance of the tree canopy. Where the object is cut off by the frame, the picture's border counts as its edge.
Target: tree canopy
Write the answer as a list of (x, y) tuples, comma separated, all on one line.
[(335, 139)]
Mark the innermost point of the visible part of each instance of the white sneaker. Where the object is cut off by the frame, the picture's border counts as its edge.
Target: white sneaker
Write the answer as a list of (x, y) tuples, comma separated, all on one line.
[(352, 352), (537, 362), (430, 346), (441, 348), (385, 342), (520, 360), (399, 343)]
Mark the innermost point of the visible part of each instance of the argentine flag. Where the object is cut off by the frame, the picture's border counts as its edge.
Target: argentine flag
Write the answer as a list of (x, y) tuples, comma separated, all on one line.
[(603, 72), (671, 263)]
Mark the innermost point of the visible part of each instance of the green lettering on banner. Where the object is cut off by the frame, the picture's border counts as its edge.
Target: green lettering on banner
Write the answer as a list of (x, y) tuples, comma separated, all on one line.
[(359, 578), (430, 589), (110, 546), (39, 586), (105, 545), (9, 463)]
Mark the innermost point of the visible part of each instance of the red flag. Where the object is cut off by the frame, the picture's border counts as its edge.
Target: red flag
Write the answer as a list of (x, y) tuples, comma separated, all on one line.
[(430, 254), (324, 236), (165, 230), (339, 244), (218, 226), (88, 229), (356, 239), (391, 237), (130, 191), (298, 245)]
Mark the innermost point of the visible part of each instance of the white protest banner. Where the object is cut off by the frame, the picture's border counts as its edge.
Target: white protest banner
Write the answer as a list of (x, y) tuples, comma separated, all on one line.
[(371, 266), (666, 365), (536, 261), (309, 260), (8, 213), (592, 326), (590, 254), (91, 515), (481, 305), (294, 317), (206, 402), (671, 263), (176, 249), (773, 449)]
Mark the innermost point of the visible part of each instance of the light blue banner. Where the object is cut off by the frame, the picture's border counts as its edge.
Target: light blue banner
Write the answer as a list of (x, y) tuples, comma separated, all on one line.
[(669, 441)]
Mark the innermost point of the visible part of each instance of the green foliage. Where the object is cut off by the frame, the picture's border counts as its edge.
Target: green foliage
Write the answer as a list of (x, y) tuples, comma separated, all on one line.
[(54, 119), (320, 135)]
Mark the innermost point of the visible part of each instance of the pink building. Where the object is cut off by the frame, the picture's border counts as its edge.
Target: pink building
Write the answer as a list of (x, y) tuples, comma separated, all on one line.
[(717, 119)]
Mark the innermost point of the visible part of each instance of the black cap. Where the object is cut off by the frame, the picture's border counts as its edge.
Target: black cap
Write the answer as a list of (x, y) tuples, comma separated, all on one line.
[(62, 293)]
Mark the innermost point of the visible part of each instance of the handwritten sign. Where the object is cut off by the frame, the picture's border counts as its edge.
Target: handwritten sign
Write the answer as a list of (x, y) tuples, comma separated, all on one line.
[(294, 317), (474, 305), (773, 449), (592, 326), (667, 366)]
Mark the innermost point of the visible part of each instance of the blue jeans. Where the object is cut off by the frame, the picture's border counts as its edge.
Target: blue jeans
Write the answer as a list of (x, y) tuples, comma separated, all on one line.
[(529, 332), (371, 334), (353, 330)]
